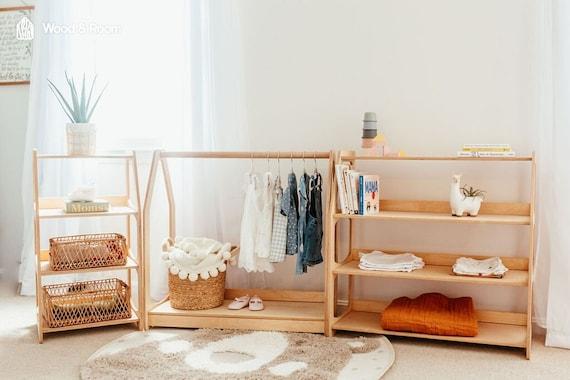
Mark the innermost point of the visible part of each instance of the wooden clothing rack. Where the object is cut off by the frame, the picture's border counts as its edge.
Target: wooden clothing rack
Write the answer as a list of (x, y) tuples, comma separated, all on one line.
[(285, 310)]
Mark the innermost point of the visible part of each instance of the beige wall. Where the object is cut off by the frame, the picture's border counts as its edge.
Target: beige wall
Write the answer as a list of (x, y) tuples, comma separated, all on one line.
[(438, 73)]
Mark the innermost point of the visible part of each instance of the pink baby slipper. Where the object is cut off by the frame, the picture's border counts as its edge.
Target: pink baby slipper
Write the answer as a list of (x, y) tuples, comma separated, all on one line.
[(239, 303), (255, 304)]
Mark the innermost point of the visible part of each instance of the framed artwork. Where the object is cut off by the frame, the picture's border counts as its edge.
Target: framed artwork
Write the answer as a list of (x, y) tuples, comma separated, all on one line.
[(16, 37)]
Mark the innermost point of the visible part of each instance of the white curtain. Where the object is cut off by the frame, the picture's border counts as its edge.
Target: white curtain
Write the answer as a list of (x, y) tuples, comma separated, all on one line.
[(552, 305), (174, 71)]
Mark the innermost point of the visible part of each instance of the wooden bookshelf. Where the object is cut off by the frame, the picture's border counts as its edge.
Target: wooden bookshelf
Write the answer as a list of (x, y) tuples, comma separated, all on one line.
[(495, 327), (125, 206)]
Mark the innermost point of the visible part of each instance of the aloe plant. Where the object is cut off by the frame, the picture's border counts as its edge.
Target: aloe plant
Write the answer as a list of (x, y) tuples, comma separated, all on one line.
[(78, 108), (471, 192)]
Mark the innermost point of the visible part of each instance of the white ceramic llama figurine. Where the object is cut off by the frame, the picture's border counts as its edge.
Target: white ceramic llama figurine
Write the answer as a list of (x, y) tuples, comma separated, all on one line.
[(459, 202)]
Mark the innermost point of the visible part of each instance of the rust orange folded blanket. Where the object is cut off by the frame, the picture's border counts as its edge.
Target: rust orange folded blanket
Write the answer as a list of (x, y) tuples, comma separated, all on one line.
[(431, 313)]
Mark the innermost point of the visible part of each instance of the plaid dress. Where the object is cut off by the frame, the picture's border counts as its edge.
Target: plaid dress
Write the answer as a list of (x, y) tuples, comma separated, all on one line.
[(290, 208), (279, 233)]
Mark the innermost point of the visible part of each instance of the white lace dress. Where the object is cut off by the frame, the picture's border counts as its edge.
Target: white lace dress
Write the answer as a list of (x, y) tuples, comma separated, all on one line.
[(250, 221), (265, 222)]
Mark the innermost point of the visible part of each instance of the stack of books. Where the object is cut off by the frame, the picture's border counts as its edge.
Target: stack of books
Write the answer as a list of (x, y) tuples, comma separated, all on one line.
[(358, 193), (486, 150)]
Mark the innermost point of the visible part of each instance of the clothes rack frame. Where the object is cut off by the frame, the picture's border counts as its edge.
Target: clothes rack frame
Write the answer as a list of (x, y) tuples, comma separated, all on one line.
[(285, 310)]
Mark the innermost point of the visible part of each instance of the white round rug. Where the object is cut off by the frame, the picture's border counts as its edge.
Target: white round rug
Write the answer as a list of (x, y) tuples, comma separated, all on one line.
[(222, 354)]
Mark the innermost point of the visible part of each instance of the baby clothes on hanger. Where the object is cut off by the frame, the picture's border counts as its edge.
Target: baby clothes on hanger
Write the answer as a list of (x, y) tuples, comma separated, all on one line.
[(302, 223), (279, 232), (313, 237), (265, 223), (290, 208), (248, 259)]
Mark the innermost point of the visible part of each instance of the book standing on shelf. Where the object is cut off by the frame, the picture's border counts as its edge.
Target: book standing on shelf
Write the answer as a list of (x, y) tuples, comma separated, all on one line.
[(369, 194), (359, 194), (353, 177), (343, 199)]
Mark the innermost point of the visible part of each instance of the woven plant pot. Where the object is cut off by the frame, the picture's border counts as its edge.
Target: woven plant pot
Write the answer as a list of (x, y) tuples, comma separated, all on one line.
[(196, 295), (81, 139)]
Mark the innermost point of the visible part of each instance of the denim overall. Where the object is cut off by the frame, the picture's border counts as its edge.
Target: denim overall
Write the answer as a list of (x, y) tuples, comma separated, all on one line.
[(314, 230), (304, 194)]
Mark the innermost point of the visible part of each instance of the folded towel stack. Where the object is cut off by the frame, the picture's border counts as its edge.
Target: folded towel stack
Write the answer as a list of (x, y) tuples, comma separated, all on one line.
[(491, 267), (378, 260)]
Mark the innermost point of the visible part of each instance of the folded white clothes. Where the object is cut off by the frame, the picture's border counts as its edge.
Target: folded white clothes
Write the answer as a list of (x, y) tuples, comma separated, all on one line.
[(378, 260), (491, 267)]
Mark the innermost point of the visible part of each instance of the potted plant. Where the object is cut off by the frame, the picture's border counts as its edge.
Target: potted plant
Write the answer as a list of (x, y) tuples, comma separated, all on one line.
[(81, 133), (464, 199)]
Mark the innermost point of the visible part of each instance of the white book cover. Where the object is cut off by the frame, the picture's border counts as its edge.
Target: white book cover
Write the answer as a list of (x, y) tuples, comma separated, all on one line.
[(339, 170), (370, 194), (353, 176), (348, 189)]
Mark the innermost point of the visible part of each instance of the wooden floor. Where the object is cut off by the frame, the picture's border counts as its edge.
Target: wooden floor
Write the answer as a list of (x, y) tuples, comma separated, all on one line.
[(489, 333)]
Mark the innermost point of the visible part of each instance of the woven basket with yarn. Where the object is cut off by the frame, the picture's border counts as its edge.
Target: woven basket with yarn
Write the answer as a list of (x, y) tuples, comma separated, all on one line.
[(196, 295)]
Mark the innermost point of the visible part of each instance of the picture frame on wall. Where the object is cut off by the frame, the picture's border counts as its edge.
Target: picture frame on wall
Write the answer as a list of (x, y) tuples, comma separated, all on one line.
[(16, 41)]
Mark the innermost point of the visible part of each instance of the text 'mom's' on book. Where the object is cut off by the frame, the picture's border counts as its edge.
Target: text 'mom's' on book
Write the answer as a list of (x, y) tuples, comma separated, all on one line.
[(369, 194), (76, 207)]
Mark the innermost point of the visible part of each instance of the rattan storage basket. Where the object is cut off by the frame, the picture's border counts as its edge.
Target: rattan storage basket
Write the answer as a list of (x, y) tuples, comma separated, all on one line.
[(87, 251), (196, 295), (86, 302)]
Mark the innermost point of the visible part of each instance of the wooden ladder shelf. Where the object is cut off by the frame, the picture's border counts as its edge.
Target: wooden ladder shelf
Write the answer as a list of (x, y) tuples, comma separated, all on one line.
[(121, 206)]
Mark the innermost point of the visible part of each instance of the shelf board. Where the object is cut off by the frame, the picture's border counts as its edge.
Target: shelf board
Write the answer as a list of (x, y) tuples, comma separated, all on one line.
[(56, 213), (435, 158), (440, 217), (496, 334), (91, 156), (46, 271), (133, 319), (436, 273), (277, 315)]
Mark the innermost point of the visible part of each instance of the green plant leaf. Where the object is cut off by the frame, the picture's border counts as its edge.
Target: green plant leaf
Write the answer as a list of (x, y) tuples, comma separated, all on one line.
[(75, 100), (95, 104), (91, 92), (82, 100), (62, 101)]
